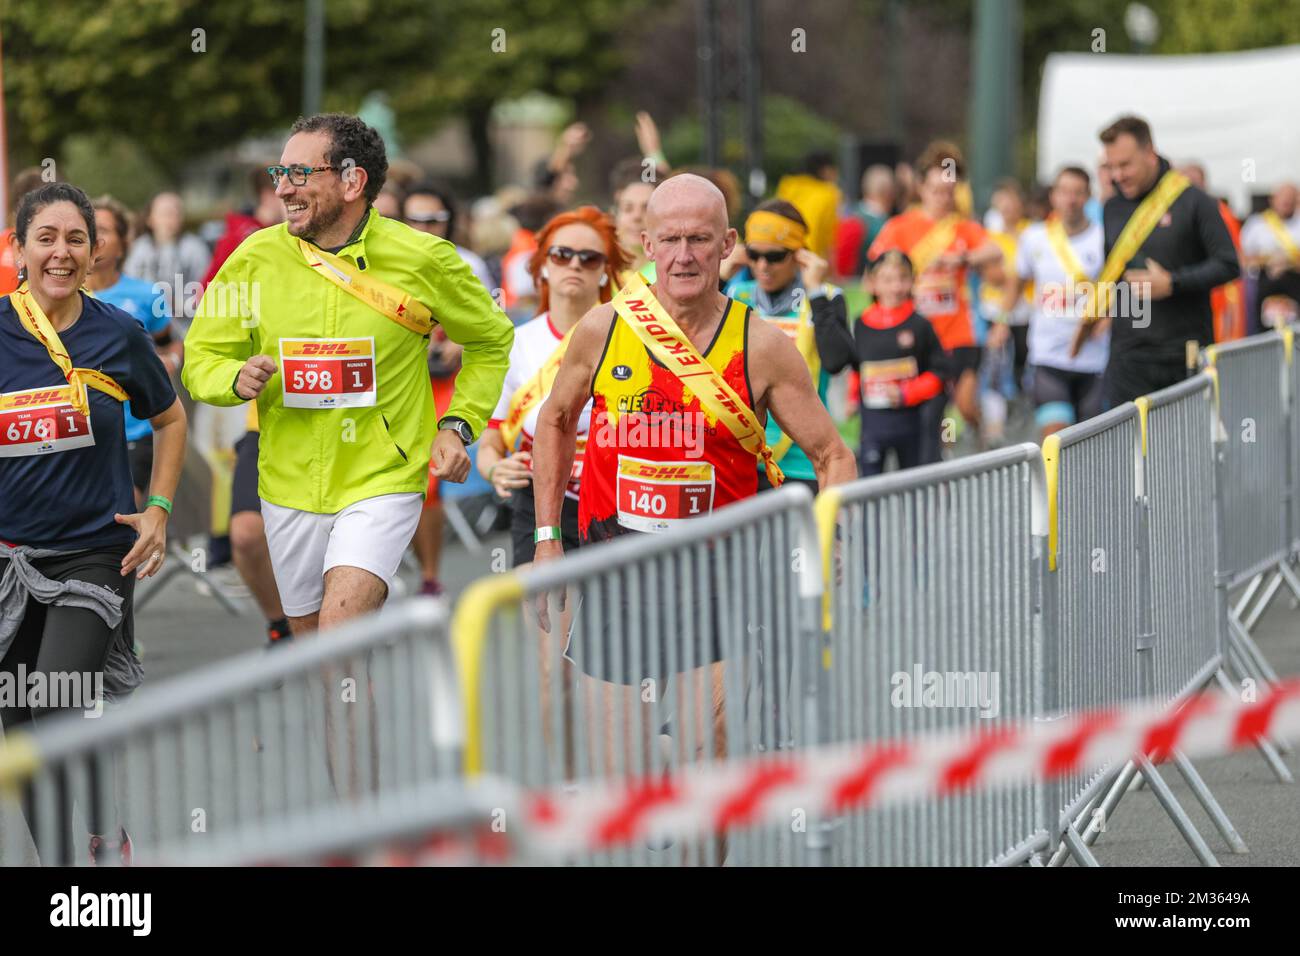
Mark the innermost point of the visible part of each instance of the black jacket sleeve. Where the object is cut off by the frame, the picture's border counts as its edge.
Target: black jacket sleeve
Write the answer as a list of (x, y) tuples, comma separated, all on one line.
[(834, 337), (1220, 264)]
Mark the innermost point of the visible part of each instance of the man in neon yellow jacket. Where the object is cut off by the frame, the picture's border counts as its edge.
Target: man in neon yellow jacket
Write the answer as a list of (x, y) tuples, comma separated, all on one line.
[(324, 321)]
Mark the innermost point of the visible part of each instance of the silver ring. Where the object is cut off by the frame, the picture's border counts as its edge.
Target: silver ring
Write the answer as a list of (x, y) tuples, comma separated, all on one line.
[(156, 556)]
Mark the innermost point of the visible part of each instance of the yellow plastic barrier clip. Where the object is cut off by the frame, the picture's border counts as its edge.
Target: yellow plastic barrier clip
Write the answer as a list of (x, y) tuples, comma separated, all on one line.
[(469, 635)]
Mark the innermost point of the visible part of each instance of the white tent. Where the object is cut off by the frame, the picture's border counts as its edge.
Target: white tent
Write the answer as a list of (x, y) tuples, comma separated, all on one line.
[(1238, 114)]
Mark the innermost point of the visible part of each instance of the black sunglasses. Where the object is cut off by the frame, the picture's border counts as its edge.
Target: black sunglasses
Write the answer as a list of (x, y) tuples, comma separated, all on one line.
[(775, 258), (587, 258)]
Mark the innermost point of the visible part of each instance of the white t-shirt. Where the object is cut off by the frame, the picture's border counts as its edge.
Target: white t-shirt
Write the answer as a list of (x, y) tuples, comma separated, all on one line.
[(1054, 320), (535, 341), (477, 266), (1257, 239)]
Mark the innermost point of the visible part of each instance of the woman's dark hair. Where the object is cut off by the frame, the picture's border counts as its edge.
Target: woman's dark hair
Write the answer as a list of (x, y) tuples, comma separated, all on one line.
[(350, 140), (48, 195), (784, 209), (440, 193), (121, 217)]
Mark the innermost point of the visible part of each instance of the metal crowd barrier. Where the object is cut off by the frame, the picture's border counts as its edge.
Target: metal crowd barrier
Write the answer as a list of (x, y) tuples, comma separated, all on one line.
[(1253, 406), (436, 823), (219, 755), (1093, 487), (621, 684), (1178, 444), (1293, 444), (939, 586)]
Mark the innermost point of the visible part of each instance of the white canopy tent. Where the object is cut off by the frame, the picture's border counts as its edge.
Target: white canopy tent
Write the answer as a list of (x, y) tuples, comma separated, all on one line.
[(1237, 114)]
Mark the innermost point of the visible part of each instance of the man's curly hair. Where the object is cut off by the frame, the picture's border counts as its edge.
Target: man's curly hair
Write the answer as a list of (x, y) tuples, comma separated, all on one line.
[(350, 139)]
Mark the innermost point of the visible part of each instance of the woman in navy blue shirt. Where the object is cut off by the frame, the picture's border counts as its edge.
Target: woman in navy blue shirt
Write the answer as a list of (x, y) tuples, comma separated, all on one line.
[(72, 544)]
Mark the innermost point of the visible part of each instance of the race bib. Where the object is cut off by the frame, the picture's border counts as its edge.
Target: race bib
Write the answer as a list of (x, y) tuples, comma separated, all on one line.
[(38, 421), (1055, 302), (659, 495), (789, 326), (575, 475), (328, 373), (936, 293), (876, 377)]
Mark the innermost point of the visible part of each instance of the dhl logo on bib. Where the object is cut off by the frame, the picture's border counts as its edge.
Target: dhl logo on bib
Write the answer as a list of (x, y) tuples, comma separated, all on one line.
[(39, 396), (890, 370), (343, 348), (674, 472)]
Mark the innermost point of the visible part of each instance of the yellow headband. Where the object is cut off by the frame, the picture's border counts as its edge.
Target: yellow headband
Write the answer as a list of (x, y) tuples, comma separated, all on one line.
[(765, 226)]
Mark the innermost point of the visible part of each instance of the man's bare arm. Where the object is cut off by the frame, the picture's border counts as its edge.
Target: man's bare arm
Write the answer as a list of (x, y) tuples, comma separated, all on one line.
[(557, 422), (782, 378)]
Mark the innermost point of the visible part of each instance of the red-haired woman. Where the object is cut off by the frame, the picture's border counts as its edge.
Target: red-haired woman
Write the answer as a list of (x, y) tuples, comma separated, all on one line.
[(575, 268)]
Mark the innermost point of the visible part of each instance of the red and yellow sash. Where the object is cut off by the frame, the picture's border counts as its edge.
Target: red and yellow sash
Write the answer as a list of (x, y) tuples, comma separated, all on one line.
[(650, 321), (405, 310), (34, 320)]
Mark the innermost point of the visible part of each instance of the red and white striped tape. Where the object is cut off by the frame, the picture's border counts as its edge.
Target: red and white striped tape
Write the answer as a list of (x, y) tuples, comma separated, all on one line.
[(711, 797)]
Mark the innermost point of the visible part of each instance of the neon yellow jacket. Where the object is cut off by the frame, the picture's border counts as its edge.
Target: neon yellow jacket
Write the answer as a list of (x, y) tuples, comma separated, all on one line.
[(324, 459)]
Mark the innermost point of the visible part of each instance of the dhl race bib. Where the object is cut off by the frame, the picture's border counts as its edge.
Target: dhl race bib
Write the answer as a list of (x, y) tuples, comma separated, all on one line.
[(38, 421), (1055, 302), (790, 326), (328, 373), (936, 293), (659, 495), (875, 376)]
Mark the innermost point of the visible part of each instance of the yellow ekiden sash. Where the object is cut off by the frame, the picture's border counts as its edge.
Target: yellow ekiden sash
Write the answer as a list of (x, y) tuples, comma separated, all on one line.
[(1135, 232), (1065, 253), (932, 245), (1279, 230), (530, 393), (405, 310), (637, 306), (806, 343), (34, 320)]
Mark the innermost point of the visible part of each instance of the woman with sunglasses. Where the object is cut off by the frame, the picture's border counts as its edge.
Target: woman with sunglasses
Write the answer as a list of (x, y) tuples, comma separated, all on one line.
[(787, 286), (575, 268)]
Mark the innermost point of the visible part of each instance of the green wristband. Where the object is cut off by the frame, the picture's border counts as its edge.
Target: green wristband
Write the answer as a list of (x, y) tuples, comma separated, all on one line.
[(548, 533), (164, 503)]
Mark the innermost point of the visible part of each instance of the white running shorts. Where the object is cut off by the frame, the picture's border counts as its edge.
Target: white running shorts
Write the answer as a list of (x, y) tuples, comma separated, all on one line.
[(371, 534)]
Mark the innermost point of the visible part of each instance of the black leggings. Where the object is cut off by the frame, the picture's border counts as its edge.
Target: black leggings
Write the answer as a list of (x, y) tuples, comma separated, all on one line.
[(66, 640)]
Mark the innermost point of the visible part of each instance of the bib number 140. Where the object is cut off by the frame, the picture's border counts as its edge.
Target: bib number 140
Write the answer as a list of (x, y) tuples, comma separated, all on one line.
[(657, 505)]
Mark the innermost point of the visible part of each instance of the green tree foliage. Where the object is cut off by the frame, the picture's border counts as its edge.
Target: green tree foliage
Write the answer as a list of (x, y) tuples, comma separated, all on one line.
[(139, 68)]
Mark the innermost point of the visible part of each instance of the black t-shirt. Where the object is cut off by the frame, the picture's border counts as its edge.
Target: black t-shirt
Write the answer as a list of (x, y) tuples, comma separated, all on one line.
[(898, 346), (61, 497)]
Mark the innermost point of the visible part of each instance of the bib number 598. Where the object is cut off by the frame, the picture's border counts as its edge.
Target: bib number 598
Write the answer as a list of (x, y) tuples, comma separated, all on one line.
[(311, 380)]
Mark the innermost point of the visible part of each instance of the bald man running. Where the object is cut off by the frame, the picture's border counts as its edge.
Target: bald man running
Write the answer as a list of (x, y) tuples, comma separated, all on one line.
[(631, 482)]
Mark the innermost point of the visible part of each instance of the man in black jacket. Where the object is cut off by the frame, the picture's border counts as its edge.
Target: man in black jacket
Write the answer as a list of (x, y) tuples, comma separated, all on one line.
[(1169, 276)]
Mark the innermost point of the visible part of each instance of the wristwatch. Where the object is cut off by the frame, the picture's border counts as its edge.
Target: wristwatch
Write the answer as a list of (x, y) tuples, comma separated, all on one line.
[(460, 427)]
